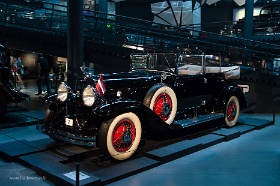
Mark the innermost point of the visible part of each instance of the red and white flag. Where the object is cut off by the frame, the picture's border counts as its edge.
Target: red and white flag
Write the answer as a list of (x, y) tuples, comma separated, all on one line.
[(100, 86)]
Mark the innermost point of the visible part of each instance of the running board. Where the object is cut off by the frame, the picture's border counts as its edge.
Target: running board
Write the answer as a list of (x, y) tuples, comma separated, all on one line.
[(197, 120)]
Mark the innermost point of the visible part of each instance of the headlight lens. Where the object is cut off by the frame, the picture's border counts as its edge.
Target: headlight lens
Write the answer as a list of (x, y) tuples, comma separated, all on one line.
[(62, 92), (89, 96)]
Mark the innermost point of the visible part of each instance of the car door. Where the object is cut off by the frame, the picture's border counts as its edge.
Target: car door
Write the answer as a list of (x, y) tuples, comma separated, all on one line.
[(190, 91)]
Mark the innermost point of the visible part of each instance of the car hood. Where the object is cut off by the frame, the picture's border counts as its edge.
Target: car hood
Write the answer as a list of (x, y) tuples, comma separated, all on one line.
[(116, 79), (132, 74), (135, 78)]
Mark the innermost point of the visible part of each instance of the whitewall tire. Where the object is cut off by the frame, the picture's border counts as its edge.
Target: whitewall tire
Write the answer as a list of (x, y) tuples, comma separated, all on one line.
[(163, 101), (120, 136), (232, 111)]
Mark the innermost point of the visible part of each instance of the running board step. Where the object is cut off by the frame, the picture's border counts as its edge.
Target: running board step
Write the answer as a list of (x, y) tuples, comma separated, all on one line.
[(197, 120)]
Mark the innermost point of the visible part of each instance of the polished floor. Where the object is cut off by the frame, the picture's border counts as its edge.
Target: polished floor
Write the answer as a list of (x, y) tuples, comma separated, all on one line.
[(251, 159)]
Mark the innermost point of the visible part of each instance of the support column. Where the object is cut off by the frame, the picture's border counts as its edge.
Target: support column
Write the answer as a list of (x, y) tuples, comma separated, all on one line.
[(75, 40), (248, 27), (103, 6)]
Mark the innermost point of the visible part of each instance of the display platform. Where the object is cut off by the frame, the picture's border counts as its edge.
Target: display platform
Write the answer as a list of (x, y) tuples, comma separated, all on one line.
[(58, 161), (17, 116)]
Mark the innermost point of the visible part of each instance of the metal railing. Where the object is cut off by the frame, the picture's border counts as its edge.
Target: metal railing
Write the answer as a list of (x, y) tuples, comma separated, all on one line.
[(138, 34)]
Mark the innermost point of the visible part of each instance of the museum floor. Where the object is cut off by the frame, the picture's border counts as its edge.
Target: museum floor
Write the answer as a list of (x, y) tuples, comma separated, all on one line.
[(251, 159)]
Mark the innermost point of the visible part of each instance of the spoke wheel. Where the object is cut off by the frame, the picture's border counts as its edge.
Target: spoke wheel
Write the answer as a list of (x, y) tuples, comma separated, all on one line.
[(120, 136), (232, 111), (123, 135), (162, 100)]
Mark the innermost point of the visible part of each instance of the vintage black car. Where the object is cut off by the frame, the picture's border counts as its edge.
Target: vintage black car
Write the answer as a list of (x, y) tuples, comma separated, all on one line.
[(268, 21), (8, 92), (167, 91)]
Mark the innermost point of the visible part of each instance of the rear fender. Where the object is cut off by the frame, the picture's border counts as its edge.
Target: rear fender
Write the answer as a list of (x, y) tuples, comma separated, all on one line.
[(231, 91), (147, 117)]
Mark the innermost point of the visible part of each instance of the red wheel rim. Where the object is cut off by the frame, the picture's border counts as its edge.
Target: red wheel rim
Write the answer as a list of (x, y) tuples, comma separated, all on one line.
[(231, 111), (163, 106), (123, 135)]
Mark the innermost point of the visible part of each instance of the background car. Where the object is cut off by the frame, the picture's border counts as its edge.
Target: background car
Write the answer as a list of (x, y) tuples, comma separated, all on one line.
[(268, 21), (172, 91)]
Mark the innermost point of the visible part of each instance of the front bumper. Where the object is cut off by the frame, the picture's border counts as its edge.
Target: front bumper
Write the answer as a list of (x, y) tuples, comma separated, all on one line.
[(68, 137)]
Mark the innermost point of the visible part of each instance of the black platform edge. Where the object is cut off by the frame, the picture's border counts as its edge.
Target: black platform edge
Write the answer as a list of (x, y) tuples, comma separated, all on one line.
[(20, 124), (243, 129), (48, 165), (14, 149), (228, 133), (210, 140), (183, 148), (175, 151), (21, 118), (125, 169)]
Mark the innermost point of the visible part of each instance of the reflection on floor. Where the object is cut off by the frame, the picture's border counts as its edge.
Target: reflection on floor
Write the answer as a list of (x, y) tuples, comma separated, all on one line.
[(252, 159)]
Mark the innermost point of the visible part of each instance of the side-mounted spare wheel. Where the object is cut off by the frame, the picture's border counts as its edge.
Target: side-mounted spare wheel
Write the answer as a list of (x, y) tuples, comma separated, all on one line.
[(119, 137), (3, 104), (162, 100), (232, 111)]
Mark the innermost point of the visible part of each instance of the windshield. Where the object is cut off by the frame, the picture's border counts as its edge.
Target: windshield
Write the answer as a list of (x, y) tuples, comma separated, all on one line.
[(154, 61)]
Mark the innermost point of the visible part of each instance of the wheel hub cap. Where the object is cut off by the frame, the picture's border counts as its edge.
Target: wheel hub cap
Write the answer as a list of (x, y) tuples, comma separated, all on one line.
[(127, 137), (166, 109)]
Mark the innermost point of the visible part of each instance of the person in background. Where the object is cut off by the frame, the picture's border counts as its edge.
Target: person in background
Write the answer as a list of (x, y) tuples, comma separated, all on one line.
[(19, 63), (43, 73), (16, 75)]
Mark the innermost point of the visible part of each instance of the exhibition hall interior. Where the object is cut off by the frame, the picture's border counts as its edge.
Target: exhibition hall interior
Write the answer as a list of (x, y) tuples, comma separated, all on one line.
[(140, 92)]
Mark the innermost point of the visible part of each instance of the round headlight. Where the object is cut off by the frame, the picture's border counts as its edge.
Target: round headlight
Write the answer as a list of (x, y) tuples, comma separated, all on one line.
[(89, 96), (62, 92)]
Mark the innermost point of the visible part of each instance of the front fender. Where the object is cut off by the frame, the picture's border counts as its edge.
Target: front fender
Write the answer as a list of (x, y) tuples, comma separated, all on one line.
[(146, 115)]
